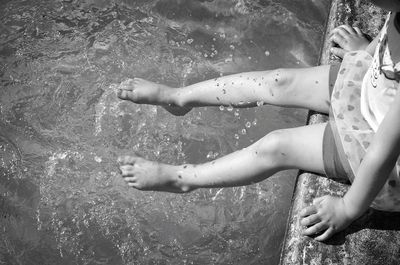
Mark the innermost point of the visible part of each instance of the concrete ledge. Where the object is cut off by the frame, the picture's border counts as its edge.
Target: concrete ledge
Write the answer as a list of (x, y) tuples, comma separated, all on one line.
[(375, 237)]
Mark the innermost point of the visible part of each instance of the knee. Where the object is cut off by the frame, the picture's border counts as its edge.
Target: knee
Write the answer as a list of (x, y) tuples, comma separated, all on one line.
[(271, 147)]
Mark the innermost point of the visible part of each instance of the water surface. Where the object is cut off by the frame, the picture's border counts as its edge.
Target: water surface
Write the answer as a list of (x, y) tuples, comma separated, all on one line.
[(62, 128)]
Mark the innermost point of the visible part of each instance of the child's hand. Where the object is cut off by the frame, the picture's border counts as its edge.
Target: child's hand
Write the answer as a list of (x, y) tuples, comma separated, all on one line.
[(348, 39), (327, 215)]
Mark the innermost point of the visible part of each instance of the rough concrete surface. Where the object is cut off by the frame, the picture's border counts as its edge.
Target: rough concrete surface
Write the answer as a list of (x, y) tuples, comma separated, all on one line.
[(375, 237)]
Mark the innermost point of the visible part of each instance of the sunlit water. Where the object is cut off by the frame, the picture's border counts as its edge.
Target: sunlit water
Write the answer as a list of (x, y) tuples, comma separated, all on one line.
[(62, 128)]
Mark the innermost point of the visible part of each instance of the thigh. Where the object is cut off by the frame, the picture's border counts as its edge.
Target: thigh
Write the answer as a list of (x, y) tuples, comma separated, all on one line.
[(302, 148), (311, 87)]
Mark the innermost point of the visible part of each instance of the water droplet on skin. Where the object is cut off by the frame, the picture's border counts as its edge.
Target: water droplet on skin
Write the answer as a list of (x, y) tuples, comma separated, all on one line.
[(236, 113), (267, 53), (232, 47), (255, 122), (260, 103), (248, 124), (221, 108), (229, 108), (189, 41), (243, 131), (236, 136)]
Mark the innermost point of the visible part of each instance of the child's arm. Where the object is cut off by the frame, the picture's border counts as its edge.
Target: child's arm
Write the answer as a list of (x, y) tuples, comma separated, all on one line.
[(330, 214)]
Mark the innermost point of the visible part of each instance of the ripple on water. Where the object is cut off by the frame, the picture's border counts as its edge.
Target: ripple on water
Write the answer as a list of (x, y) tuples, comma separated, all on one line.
[(61, 62)]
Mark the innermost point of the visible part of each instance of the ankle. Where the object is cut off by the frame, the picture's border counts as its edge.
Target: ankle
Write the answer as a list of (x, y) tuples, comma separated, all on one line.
[(177, 179), (166, 95), (176, 97)]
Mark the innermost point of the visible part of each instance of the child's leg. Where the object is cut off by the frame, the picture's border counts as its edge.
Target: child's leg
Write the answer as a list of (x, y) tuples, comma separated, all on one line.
[(303, 87), (279, 150)]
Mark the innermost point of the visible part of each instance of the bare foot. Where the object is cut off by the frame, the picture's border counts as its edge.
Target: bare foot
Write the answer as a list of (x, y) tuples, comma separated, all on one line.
[(143, 174), (349, 39), (142, 91)]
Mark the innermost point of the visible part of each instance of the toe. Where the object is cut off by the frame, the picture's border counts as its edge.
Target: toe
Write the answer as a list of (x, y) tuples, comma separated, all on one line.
[(127, 170), (134, 185), (127, 84), (137, 80), (125, 94), (130, 179), (127, 160)]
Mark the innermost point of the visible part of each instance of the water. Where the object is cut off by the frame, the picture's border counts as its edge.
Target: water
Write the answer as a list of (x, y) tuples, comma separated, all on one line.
[(62, 128)]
